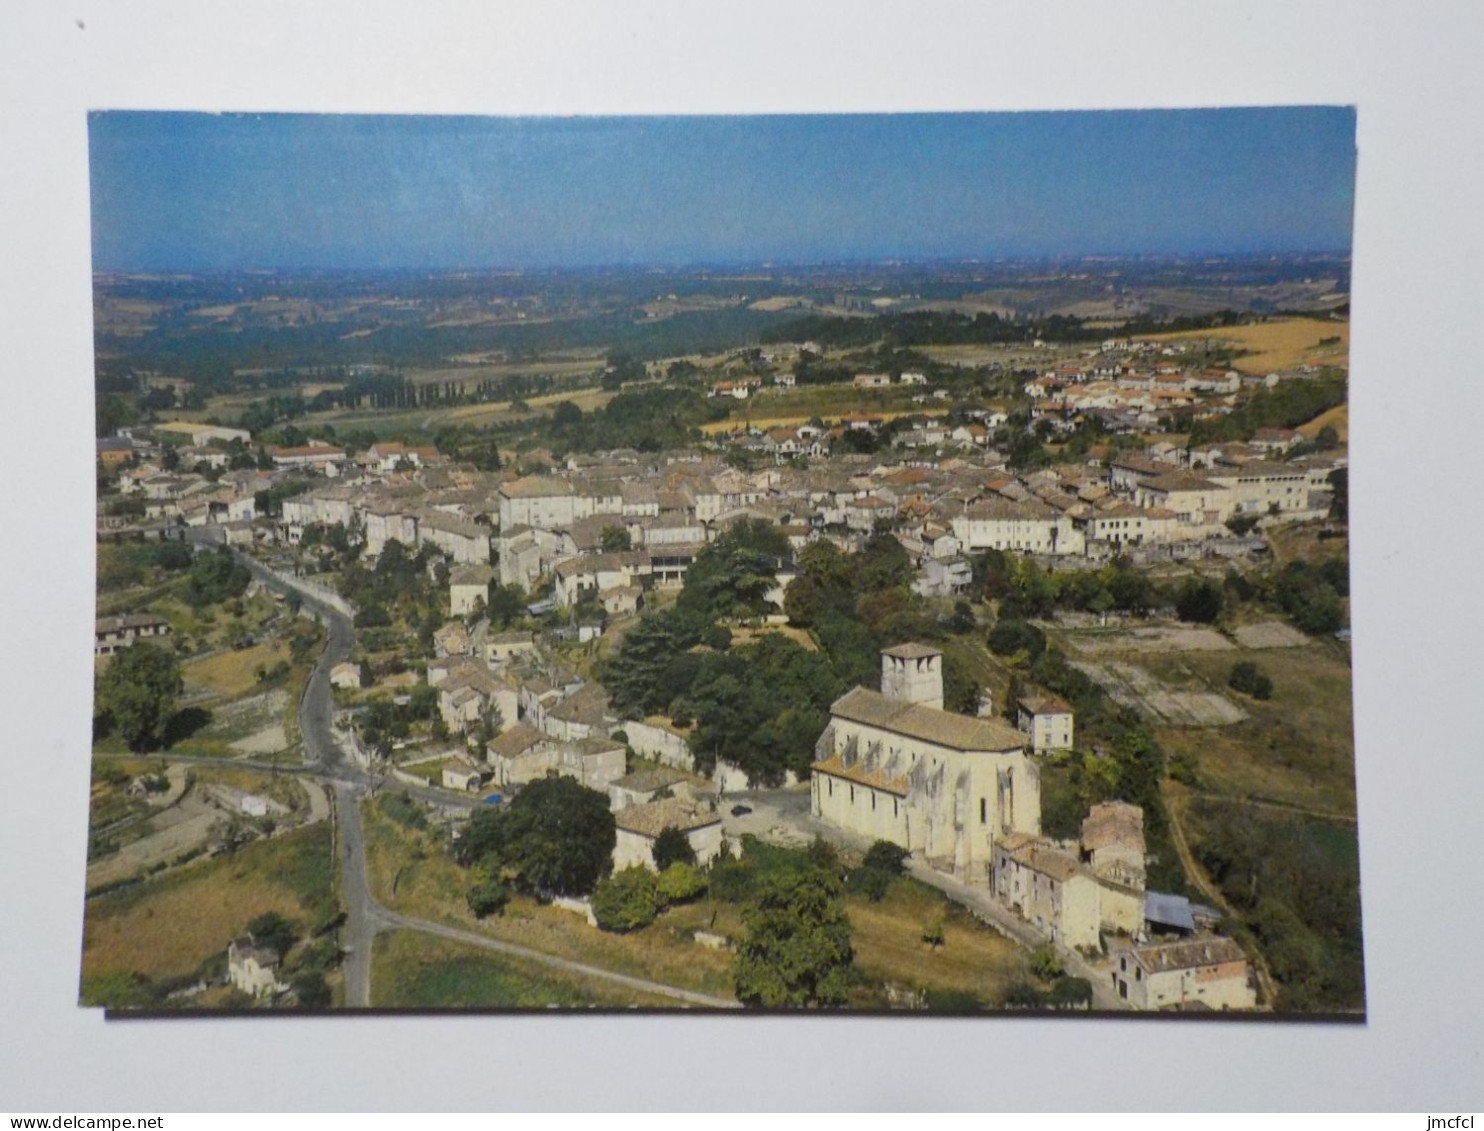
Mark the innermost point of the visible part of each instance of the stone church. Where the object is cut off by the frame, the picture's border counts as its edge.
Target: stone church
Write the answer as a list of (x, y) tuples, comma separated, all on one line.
[(894, 765)]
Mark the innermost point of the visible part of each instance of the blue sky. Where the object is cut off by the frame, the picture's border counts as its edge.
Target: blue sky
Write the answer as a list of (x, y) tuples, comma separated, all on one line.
[(196, 192)]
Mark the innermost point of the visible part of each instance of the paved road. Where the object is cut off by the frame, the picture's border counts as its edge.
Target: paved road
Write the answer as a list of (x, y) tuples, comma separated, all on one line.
[(365, 917)]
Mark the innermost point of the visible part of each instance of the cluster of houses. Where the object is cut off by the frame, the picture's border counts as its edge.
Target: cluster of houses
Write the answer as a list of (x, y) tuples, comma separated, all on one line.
[(550, 721), (606, 529)]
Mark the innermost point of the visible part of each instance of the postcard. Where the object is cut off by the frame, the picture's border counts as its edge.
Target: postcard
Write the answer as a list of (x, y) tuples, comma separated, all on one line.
[(890, 563)]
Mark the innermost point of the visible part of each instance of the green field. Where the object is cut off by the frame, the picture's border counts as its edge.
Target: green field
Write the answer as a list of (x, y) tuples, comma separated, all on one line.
[(1296, 748), (167, 928), (417, 971)]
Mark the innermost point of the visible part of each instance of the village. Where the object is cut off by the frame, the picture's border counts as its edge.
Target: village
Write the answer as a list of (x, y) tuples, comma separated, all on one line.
[(534, 574)]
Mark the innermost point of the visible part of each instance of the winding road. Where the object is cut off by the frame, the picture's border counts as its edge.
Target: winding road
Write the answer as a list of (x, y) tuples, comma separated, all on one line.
[(366, 917)]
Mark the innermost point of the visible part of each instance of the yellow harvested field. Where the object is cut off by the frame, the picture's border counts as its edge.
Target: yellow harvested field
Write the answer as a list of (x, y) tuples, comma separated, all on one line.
[(234, 672), (176, 923), (1280, 344), (1337, 418), (889, 947), (587, 400)]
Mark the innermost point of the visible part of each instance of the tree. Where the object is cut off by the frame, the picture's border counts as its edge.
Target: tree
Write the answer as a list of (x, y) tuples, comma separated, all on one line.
[(1339, 483), (216, 576), (138, 691), (627, 900), (1010, 636), (672, 847), (614, 539), (311, 990), (273, 931), (1199, 601), (1242, 524), (797, 951), (555, 837)]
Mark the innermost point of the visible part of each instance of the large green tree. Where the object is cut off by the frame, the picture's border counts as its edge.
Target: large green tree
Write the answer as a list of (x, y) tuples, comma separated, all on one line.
[(797, 950), (216, 576), (672, 847), (556, 837), (138, 691)]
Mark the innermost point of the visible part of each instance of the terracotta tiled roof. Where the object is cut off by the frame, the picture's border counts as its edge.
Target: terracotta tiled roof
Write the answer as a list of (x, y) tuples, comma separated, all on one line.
[(1190, 953), (655, 817), (835, 766), (914, 720)]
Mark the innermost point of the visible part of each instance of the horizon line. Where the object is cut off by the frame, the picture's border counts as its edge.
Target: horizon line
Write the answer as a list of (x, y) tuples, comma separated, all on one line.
[(739, 264)]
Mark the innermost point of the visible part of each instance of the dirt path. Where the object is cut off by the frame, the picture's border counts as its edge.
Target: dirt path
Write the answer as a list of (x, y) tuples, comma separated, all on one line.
[(1277, 806), (1175, 799)]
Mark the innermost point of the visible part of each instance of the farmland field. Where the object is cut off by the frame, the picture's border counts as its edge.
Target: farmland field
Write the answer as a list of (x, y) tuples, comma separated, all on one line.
[(234, 672), (1337, 418), (1279, 344), (205, 905), (1296, 748), (416, 971)]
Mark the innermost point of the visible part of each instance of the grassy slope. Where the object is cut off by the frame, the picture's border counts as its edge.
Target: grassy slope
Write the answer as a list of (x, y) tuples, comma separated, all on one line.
[(168, 927), (410, 873)]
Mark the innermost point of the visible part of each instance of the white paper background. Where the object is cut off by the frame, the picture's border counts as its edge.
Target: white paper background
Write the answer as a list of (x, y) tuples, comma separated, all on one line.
[(1414, 73)]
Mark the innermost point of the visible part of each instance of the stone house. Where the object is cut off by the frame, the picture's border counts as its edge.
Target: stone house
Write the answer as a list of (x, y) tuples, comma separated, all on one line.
[(1046, 720), (251, 968), (468, 588), (659, 740), (1211, 972), (502, 647), (638, 826), (641, 786), (462, 774), (1046, 885), (513, 758), (113, 633)]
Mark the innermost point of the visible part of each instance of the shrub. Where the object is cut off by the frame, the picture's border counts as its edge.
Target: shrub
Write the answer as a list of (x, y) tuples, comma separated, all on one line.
[(1249, 679), (933, 934), (627, 900), (311, 990), (886, 857), (680, 883), (872, 883), (732, 881), (488, 896), (1022, 995), (952, 1001), (1068, 992), (1046, 963)]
